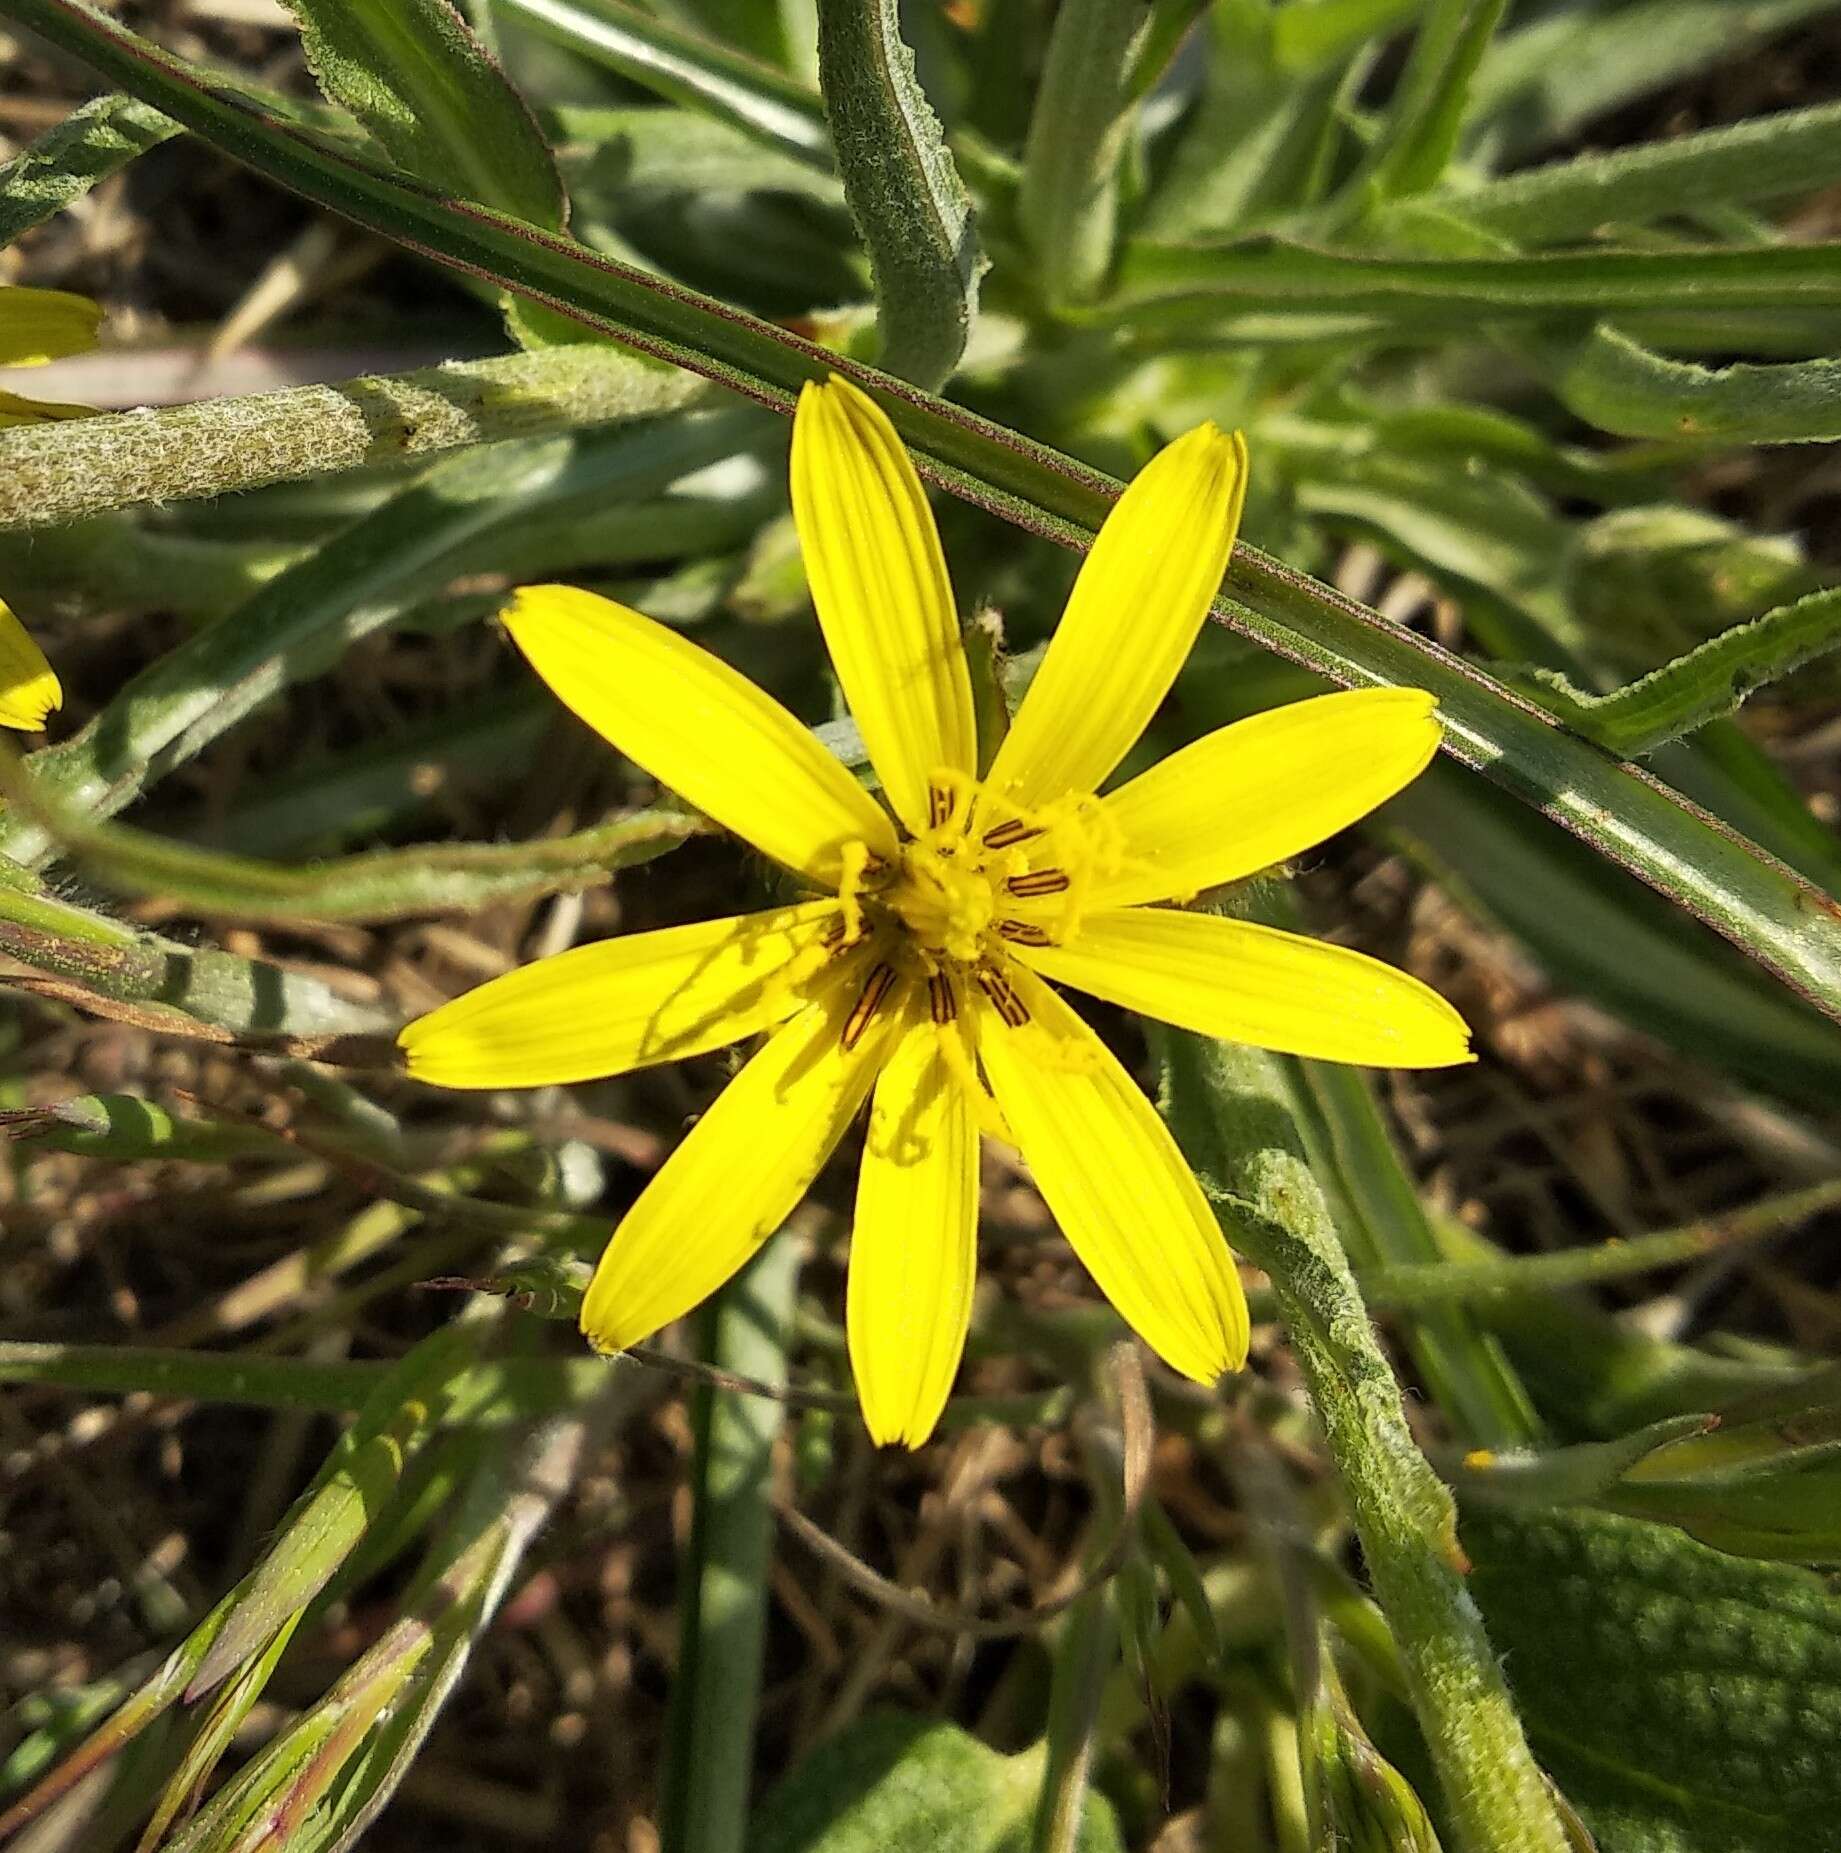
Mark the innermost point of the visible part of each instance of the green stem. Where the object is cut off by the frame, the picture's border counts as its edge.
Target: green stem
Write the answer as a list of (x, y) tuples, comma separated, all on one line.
[(1069, 203), (714, 1698), (57, 472), (1233, 1110)]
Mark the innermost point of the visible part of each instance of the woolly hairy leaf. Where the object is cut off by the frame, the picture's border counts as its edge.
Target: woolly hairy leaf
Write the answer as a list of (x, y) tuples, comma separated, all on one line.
[(902, 188)]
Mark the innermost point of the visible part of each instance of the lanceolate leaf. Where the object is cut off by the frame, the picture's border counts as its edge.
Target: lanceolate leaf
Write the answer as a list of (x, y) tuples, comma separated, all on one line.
[(1682, 852), (413, 73), (903, 190)]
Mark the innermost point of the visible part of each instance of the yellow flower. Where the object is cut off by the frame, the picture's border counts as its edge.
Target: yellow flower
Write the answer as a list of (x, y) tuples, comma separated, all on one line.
[(918, 980), (28, 685), (37, 326)]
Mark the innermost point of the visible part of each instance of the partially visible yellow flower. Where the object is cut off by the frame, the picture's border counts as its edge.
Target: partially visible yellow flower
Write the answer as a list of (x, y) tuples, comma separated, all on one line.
[(919, 980), (37, 326), (29, 689)]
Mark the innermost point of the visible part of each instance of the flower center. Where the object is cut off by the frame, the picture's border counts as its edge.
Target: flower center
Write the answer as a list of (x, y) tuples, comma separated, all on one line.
[(944, 896)]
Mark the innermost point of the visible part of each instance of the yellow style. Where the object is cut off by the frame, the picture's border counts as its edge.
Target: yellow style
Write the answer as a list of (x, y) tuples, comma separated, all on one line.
[(918, 982)]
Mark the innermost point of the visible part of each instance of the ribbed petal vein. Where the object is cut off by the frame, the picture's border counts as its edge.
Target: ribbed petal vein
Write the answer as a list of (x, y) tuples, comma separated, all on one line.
[(736, 1176), (699, 727), (620, 1003), (1263, 790), (913, 1250), (1130, 622), (1116, 1183), (880, 586), (1241, 982)]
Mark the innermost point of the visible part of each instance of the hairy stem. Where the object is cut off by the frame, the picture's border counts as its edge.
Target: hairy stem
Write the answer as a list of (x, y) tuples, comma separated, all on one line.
[(57, 472)]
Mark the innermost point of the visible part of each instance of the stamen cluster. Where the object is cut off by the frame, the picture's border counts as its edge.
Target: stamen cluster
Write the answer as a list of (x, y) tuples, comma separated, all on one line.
[(963, 891)]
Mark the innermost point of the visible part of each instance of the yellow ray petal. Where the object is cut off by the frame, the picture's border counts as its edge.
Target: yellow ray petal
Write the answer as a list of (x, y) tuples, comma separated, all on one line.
[(879, 583), (41, 325), (699, 727), (17, 411), (736, 1176), (1142, 594), (622, 1003), (913, 1251), (1110, 1172), (1245, 983), (29, 688), (1251, 795)]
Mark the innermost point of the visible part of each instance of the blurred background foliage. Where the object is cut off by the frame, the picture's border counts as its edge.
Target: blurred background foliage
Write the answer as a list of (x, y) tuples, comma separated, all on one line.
[(1531, 313)]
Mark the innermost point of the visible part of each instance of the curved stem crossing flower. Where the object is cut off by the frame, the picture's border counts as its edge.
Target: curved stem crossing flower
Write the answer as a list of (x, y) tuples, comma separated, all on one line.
[(919, 981)]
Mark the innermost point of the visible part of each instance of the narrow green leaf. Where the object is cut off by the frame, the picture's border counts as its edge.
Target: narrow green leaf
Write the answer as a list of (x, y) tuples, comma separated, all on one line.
[(489, 1395), (1307, 33), (1689, 1702), (607, 152), (216, 1729), (1567, 65), (1069, 202), (1527, 1477), (1170, 284), (89, 145), (413, 73), (904, 192), (1597, 933), (1383, 1221), (359, 794), (379, 885), (1726, 881), (1738, 164), (347, 1497), (687, 68), (455, 1596), (140, 977), (1455, 1283), (777, 32), (147, 1703), (122, 1128), (1622, 387), (1702, 685), (1254, 145), (1426, 111), (364, 580)]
